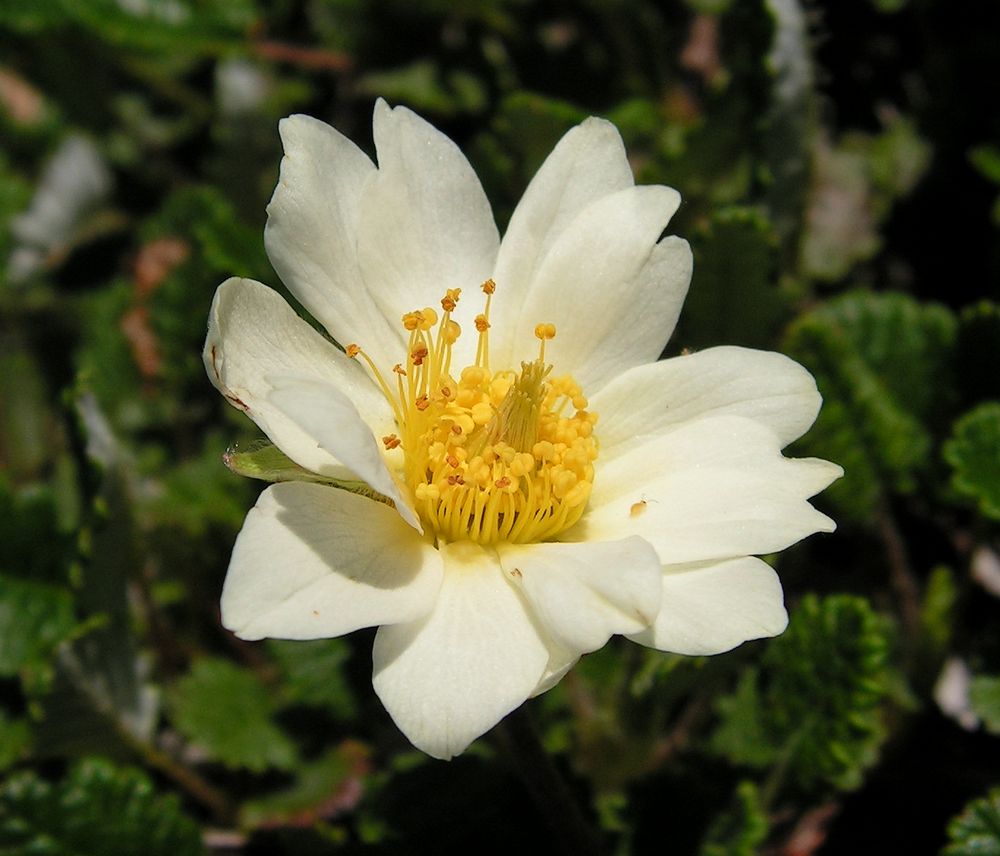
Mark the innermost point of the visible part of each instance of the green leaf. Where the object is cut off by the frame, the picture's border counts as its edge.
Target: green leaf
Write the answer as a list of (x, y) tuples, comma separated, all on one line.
[(741, 829), (734, 297), (97, 808), (882, 365), (984, 695), (741, 735), (815, 703), (15, 737), (976, 831), (313, 674), (227, 711), (937, 613), (974, 454), (425, 87), (34, 619)]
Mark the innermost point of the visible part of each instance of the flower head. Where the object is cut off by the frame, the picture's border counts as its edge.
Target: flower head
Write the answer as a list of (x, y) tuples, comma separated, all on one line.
[(535, 481)]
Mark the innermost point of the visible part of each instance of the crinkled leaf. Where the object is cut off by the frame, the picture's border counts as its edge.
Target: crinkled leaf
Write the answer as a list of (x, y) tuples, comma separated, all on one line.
[(97, 808), (881, 363), (976, 831), (816, 700), (313, 674), (227, 711), (974, 454)]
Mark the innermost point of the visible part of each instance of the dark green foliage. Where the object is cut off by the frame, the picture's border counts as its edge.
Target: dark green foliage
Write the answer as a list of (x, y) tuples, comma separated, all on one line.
[(976, 831), (814, 705), (97, 808)]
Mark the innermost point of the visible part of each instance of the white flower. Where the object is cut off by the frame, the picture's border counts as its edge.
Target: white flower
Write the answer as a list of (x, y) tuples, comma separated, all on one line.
[(519, 536)]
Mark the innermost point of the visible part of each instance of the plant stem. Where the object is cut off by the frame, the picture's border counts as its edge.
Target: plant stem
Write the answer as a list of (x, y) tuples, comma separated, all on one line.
[(519, 741)]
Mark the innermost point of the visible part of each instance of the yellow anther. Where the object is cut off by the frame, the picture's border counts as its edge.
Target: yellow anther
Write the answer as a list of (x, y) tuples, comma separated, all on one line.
[(418, 355), (411, 320), (446, 392), (450, 299), (489, 286), (482, 323), (450, 332), (398, 369), (391, 441), (352, 350), (502, 482), (429, 318), (452, 461), (422, 403), (545, 331)]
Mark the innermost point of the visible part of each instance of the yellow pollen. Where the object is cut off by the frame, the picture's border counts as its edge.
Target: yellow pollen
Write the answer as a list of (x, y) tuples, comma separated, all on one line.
[(490, 456)]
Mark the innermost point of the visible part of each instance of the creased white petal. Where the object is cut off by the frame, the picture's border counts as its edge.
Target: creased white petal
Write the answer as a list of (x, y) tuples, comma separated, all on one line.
[(322, 412), (588, 163), (253, 335), (611, 290), (713, 608), (313, 562), (426, 224), (582, 594), (312, 232), (714, 488), (652, 399), (451, 676)]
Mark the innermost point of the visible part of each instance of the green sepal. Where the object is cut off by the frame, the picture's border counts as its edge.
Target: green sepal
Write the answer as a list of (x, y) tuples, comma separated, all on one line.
[(265, 461)]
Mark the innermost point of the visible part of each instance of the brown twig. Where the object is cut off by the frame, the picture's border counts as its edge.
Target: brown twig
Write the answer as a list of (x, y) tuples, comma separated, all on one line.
[(901, 576)]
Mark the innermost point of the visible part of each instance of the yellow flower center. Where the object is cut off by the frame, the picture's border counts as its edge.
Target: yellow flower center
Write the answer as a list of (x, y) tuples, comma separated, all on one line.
[(494, 455)]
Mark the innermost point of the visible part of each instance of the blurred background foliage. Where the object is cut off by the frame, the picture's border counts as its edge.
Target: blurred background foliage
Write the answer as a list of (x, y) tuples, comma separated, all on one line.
[(839, 164)]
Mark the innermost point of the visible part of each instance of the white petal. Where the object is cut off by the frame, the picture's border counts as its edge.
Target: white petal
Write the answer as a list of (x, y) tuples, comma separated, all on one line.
[(584, 593), (312, 232), (253, 335), (588, 163), (313, 562), (713, 608), (322, 412), (611, 290), (451, 676), (426, 224), (652, 399), (714, 488)]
